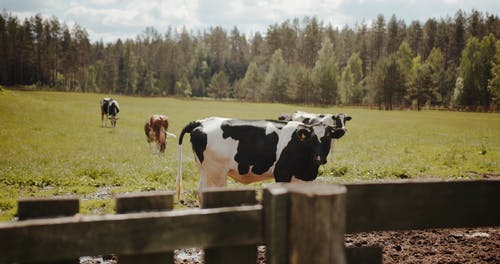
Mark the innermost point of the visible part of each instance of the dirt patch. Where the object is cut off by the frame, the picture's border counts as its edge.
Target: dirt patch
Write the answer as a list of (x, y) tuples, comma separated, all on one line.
[(478, 245)]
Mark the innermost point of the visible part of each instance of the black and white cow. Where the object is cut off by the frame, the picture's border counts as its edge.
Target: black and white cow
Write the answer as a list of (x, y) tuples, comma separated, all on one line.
[(251, 151), (337, 121), (110, 109)]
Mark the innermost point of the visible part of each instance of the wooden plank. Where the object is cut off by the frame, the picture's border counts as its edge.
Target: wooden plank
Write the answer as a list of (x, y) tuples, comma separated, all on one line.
[(45, 207), (128, 234), (49, 207), (275, 202), (419, 205), (145, 202), (317, 223), (224, 197), (363, 255)]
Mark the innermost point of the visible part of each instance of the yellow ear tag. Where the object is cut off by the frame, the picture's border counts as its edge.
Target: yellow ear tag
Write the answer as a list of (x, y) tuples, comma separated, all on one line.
[(302, 137)]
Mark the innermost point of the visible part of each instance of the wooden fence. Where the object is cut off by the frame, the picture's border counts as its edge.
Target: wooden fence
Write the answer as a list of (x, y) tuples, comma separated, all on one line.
[(298, 223)]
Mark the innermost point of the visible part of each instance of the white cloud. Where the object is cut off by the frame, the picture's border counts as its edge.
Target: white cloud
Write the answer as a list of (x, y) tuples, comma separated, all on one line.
[(110, 19)]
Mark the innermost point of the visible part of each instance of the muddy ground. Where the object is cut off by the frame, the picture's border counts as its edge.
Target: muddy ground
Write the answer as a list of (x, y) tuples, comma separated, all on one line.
[(457, 246), (478, 245)]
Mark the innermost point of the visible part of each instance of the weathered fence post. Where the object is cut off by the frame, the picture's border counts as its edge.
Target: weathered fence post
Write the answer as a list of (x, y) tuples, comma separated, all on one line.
[(146, 202), (306, 227), (275, 202), (50, 207), (223, 197)]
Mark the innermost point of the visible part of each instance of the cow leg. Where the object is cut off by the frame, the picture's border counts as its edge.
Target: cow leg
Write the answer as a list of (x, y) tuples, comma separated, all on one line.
[(282, 177), (332, 146), (294, 179), (158, 148), (211, 175)]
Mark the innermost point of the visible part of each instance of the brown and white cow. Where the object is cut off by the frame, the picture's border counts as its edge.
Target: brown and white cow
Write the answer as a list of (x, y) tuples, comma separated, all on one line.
[(156, 131)]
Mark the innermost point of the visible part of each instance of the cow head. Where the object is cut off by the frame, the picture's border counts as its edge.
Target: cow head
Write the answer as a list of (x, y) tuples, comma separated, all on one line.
[(113, 110), (338, 129), (113, 119), (317, 137)]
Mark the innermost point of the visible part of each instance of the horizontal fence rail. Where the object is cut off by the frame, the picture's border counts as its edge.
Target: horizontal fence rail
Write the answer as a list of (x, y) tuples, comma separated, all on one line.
[(32, 240), (421, 205), (298, 223)]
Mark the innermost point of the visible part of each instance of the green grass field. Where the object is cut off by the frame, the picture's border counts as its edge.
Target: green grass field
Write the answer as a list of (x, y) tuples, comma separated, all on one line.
[(52, 143)]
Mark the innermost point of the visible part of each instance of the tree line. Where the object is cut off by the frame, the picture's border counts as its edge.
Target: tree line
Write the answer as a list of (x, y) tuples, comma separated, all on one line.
[(445, 62)]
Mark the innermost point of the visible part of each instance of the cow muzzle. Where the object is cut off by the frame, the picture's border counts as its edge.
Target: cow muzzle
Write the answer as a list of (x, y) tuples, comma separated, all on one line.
[(338, 133), (319, 160)]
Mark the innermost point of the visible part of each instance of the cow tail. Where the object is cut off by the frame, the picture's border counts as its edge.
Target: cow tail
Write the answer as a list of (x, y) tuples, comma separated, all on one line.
[(187, 129)]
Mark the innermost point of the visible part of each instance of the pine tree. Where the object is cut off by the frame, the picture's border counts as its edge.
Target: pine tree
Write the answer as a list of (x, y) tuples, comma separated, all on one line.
[(219, 86), (378, 39), (3, 50)]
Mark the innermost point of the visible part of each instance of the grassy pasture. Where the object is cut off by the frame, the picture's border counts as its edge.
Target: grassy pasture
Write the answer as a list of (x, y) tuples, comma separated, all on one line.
[(52, 143)]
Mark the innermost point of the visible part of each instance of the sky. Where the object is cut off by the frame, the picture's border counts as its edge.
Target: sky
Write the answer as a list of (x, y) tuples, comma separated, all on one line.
[(108, 20)]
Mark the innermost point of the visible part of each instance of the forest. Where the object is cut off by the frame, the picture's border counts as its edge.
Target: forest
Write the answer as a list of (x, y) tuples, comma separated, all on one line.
[(451, 62)]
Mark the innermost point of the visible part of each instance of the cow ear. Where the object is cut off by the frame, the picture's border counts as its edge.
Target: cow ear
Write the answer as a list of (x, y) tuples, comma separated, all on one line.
[(303, 134), (347, 118)]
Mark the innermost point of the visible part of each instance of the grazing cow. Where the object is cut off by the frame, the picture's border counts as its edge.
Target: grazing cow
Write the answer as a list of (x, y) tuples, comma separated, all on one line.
[(156, 131), (337, 121), (250, 151), (110, 109)]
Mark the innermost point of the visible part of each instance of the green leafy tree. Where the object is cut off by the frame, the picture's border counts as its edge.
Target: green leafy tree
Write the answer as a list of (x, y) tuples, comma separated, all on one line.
[(350, 90), (276, 81), (456, 99), (252, 84), (422, 88), (200, 71), (475, 69), (303, 84), (435, 61), (405, 63), (219, 86), (494, 82), (325, 75), (488, 51)]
